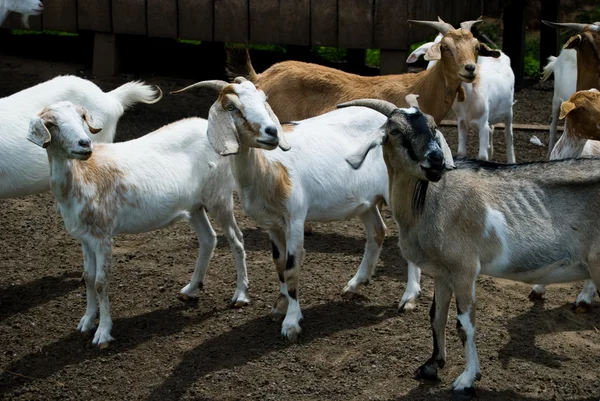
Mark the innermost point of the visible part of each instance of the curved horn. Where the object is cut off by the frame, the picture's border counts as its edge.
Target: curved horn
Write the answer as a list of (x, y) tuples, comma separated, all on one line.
[(216, 84), (440, 25), (567, 25), (239, 80), (467, 25), (383, 106), (411, 99)]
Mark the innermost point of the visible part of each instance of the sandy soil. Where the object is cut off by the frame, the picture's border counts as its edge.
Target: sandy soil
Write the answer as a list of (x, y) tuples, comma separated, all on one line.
[(349, 350)]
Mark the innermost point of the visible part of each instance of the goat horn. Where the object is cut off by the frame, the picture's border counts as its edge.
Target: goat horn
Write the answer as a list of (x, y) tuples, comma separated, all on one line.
[(411, 99), (568, 25), (216, 84), (467, 25), (383, 106), (239, 80), (440, 25)]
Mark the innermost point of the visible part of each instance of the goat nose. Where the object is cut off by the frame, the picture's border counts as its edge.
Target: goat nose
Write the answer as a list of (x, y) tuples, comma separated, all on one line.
[(436, 158), (85, 143), (271, 131), (470, 67)]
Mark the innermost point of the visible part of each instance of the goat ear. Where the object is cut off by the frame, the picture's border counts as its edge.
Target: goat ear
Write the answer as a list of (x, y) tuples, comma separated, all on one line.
[(448, 159), (419, 51), (566, 108), (433, 53), (486, 51), (283, 144), (38, 133), (460, 94), (573, 42), (357, 158), (222, 133), (87, 117)]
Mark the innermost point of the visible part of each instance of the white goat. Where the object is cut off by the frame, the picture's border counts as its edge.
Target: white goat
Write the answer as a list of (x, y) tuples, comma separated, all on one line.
[(137, 186), (488, 101), (23, 167), (309, 182), (564, 68), (581, 138), (24, 7), (532, 222)]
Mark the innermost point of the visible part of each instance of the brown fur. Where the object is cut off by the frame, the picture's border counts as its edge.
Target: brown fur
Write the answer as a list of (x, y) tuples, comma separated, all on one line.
[(587, 45), (300, 90), (582, 113)]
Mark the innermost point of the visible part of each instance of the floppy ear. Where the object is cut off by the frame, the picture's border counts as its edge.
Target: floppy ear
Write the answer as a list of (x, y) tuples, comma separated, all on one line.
[(87, 117), (566, 108), (358, 157), (448, 160), (222, 133), (486, 51), (573, 42), (283, 144), (38, 133), (414, 56), (433, 53)]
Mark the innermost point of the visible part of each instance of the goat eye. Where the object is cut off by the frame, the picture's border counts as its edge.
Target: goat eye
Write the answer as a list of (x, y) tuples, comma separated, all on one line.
[(445, 48), (231, 107), (395, 132)]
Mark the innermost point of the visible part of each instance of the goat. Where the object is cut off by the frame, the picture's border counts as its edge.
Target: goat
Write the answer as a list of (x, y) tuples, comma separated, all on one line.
[(533, 222), (23, 7), (24, 168), (306, 180), (299, 90), (581, 138), (488, 101), (587, 62), (131, 187)]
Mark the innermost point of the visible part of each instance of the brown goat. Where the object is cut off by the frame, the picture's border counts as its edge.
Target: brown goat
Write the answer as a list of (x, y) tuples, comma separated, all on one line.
[(300, 90)]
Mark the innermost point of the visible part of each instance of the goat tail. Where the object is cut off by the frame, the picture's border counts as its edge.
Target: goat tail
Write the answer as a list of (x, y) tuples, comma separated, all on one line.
[(239, 64), (549, 68), (136, 92)]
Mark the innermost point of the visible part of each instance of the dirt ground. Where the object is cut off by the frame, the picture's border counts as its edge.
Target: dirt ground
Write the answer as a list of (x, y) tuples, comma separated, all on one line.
[(349, 350)]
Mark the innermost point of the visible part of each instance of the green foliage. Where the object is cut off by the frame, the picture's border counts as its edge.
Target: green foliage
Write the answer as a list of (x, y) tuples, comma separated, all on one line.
[(589, 16), (333, 54), (531, 66), (372, 58), (44, 32)]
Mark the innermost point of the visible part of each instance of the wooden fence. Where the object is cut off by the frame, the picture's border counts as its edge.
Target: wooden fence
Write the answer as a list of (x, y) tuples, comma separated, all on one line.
[(357, 24)]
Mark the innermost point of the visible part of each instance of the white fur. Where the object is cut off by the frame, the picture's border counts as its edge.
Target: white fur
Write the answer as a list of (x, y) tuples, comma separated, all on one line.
[(324, 186), (24, 167), (167, 175), (564, 68), (24, 7), (487, 103)]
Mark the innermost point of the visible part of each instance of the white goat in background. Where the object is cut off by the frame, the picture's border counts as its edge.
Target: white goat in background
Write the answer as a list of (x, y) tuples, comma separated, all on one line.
[(488, 101), (23, 167), (137, 186), (23, 7), (310, 181)]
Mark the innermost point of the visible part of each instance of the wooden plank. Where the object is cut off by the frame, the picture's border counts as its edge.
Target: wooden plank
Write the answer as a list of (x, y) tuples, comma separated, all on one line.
[(94, 15), (516, 126), (264, 21), (129, 16), (294, 20), (513, 43), (162, 18), (61, 15), (549, 41), (196, 19), (392, 61), (390, 24), (424, 11), (464, 10), (324, 23), (355, 23), (106, 60), (231, 21)]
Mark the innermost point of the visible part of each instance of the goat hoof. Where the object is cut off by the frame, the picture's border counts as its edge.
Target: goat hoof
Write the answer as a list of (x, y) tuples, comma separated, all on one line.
[(465, 394), (103, 345), (291, 333), (277, 315), (534, 296), (582, 307), (426, 372), (407, 306), (349, 294), (186, 298), (240, 303)]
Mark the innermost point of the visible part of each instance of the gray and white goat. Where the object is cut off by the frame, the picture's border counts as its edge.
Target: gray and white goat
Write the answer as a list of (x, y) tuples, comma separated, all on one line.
[(532, 222)]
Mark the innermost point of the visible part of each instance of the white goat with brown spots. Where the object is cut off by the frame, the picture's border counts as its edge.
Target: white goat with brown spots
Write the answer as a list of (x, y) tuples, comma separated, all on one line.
[(305, 180), (531, 222), (137, 186)]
